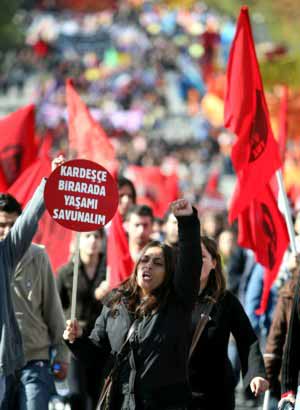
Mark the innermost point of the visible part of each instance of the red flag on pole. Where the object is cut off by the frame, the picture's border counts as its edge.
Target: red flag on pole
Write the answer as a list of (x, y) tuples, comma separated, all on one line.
[(17, 143), (255, 154), (87, 139), (119, 261), (262, 228)]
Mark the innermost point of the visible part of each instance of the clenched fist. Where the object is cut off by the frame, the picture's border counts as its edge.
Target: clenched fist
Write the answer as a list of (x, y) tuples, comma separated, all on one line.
[(72, 330), (181, 207)]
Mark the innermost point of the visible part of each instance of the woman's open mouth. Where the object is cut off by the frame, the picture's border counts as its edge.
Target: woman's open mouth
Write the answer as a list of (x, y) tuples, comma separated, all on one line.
[(147, 276)]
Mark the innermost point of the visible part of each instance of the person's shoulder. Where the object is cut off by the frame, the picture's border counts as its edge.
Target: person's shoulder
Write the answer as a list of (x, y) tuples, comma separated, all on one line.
[(225, 305), (109, 298), (66, 269), (228, 294), (37, 249), (288, 289), (34, 254), (229, 298)]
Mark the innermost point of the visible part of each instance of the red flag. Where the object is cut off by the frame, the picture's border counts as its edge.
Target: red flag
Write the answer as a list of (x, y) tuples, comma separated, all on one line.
[(55, 238), (17, 144), (283, 122), (25, 185), (154, 187), (3, 184), (255, 154), (262, 228), (211, 198), (211, 186), (86, 137), (46, 144), (119, 261)]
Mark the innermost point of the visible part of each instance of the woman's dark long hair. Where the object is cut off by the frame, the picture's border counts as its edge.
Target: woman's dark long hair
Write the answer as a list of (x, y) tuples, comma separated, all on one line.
[(129, 292), (216, 284)]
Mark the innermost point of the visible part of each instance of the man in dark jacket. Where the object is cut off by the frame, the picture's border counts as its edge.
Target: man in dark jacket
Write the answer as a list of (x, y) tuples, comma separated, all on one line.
[(41, 322), (12, 248)]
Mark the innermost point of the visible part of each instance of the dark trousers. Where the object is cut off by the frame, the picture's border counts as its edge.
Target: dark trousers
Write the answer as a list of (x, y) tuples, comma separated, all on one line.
[(85, 385)]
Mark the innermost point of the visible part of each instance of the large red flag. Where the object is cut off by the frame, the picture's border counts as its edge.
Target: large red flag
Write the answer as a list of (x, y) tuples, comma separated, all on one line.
[(119, 261), (17, 143), (255, 154), (154, 188), (87, 139), (262, 228), (55, 238)]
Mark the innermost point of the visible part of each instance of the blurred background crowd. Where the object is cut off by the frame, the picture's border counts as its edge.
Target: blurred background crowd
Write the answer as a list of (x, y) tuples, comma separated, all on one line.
[(153, 75)]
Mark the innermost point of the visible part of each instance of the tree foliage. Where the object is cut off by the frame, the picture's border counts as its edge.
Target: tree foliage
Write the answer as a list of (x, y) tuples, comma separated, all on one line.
[(281, 17), (283, 70), (274, 21), (10, 34)]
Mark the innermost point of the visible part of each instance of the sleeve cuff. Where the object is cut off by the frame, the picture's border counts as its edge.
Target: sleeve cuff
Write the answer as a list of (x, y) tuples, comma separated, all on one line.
[(287, 393)]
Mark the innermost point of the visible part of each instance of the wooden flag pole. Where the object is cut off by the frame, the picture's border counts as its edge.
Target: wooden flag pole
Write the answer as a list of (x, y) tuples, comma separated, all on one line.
[(64, 208), (286, 211), (266, 400), (75, 277)]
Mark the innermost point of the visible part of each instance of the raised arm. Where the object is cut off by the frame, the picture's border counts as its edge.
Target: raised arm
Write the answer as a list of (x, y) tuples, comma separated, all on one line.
[(20, 236), (189, 259)]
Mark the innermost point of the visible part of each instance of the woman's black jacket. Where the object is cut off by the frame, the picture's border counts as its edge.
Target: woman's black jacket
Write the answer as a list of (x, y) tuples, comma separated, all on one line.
[(161, 341), (211, 374)]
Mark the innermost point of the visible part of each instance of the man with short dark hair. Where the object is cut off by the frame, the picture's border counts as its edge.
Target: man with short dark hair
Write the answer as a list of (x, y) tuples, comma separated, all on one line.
[(139, 223), (40, 318), (12, 247)]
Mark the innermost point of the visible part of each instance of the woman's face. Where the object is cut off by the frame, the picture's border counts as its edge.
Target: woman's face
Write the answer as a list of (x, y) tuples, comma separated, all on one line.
[(125, 199), (226, 243), (207, 265), (151, 270), (90, 243)]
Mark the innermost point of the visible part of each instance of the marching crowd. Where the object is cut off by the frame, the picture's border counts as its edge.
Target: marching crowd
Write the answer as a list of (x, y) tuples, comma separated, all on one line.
[(182, 330), (162, 336)]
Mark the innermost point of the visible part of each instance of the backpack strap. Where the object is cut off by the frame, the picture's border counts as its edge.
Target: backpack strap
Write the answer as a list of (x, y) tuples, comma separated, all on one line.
[(204, 318)]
